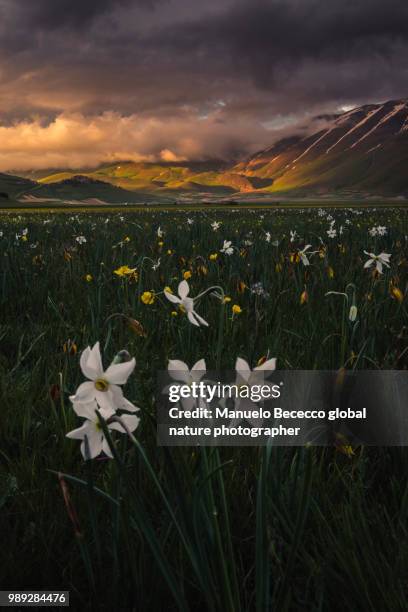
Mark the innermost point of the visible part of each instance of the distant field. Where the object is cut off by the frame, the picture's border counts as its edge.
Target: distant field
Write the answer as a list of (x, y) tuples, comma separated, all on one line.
[(195, 528), (240, 203)]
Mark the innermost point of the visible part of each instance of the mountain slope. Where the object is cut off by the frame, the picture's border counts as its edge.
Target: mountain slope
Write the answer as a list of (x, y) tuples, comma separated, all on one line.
[(80, 187), (11, 186), (363, 150), (164, 177)]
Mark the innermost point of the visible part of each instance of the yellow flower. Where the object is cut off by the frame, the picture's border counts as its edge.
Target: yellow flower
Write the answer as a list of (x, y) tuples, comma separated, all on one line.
[(187, 274), (124, 271), (126, 239), (241, 287), (236, 309), (160, 243), (168, 289), (24, 238), (88, 278), (169, 252), (226, 299), (342, 446), (213, 257), (397, 294), (174, 313), (330, 272), (148, 298), (294, 257), (278, 267)]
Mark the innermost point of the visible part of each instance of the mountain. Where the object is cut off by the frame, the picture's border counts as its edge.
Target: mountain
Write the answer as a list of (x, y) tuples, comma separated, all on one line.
[(364, 150), (360, 153)]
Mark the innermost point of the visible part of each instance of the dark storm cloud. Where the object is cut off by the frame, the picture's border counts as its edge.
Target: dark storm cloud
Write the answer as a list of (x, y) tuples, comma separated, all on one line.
[(262, 39), (59, 14), (242, 67)]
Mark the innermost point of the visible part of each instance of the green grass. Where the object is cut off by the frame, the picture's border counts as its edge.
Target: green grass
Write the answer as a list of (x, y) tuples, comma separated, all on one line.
[(193, 528)]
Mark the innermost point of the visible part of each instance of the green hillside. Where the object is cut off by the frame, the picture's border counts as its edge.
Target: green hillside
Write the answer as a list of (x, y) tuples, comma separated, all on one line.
[(12, 186)]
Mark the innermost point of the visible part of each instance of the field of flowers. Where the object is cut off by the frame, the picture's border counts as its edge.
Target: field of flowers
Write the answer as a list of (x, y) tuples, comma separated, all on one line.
[(142, 527)]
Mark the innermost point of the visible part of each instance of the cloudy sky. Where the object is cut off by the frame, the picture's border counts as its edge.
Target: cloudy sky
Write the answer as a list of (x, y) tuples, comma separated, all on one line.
[(85, 81)]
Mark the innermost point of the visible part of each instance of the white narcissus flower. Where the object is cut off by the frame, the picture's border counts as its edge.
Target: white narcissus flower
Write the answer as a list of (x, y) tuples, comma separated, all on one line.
[(179, 371), (227, 248), (187, 303), (303, 256), (245, 377), (102, 386), (216, 225), (156, 265), (92, 431), (332, 233), (383, 259), (160, 232), (250, 377), (293, 235)]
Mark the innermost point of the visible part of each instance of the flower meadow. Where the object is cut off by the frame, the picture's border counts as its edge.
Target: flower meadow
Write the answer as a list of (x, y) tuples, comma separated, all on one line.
[(93, 305)]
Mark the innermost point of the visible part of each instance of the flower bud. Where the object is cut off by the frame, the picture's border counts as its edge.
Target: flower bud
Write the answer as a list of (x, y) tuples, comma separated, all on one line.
[(121, 357), (353, 313)]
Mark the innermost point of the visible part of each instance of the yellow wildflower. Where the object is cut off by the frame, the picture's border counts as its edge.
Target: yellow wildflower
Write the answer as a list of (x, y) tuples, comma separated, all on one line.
[(187, 274), (213, 257), (397, 294), (88, 278), (236, 309), (148, 297), (124, 271), (226, 299), (342, 446)]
